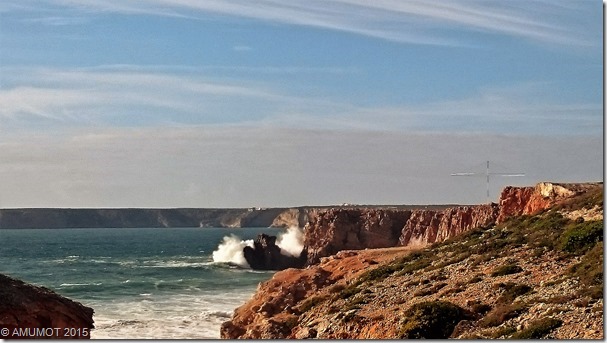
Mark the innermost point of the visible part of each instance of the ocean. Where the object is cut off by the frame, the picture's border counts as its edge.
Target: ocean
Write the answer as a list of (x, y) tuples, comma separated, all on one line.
[(162, 283)]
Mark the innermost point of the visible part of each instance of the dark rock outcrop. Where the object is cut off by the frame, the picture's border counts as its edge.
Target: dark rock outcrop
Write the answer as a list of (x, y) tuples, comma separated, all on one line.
[(266, 255), (24, 306)]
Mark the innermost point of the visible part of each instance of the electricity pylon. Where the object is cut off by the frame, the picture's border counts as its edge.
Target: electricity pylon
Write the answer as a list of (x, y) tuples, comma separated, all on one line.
[(487, 174)]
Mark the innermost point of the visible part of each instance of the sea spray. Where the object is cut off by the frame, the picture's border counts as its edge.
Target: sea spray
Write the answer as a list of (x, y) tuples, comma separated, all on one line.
[(230, 251), (291, 242)]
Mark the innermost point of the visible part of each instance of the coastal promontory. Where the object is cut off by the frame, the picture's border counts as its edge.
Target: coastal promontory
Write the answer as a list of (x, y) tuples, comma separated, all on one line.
[(530, 266)]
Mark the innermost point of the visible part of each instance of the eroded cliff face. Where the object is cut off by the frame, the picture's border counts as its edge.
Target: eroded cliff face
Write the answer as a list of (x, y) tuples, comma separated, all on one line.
[(27, 306), (331, 299), (356, 229), (352, 229), (339, 229), (426, 226)]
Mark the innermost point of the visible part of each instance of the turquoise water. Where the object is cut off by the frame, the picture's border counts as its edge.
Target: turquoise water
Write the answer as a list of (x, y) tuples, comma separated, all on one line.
[(142, 283)]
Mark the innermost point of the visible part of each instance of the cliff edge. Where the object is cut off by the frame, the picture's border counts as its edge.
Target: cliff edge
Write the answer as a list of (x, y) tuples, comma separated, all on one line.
[(538, 273)]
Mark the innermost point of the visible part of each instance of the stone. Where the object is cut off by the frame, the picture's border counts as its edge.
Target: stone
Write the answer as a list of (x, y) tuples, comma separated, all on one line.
[(27, 306)]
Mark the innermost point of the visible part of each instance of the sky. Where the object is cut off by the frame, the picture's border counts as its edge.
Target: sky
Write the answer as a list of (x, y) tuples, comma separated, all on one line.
[(217, 103)]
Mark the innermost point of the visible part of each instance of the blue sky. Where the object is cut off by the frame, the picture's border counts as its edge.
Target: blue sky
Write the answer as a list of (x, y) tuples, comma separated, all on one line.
[(230, 101)]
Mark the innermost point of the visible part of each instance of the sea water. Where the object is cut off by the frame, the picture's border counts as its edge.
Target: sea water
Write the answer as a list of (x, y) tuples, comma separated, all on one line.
[(142, 282)]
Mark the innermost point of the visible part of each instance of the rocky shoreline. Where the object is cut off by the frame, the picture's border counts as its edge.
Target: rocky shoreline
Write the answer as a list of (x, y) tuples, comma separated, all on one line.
[(498, 271), (33, 312)]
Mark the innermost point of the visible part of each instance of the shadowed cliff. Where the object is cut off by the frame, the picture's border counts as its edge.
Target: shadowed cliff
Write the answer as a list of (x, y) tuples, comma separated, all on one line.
[(26, 306)]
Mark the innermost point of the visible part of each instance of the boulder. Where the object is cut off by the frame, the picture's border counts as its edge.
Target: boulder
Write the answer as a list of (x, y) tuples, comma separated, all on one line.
[(266, 255), (29, 311)]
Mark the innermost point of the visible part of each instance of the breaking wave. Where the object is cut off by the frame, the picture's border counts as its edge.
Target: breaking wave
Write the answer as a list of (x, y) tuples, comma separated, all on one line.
[(230, 250)]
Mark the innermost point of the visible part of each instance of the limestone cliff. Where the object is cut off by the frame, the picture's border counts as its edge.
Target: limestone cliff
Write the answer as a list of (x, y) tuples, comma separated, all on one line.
[(298, 216), (26, 306)]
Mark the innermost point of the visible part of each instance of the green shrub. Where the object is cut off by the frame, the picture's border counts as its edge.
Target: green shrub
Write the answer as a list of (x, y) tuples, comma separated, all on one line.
[(311, 302), (538, 329), (580, 237), (512, 291), (476, 279), (349, 291), (337, 288), (408, 264), (480, 308), (590, 268), (501, 313), (594, 292), (431, 290), (355, 304), (431, 319), (503, 331), (506, 270), (587, 200)]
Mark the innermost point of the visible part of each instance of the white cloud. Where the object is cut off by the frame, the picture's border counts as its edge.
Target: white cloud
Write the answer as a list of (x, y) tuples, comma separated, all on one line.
[(132, 96), (410, 21)]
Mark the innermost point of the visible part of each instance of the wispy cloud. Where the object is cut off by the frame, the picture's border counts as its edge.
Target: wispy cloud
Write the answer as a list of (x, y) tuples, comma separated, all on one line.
[(410, 21), (149, 96), (524, 108), (126, 95)]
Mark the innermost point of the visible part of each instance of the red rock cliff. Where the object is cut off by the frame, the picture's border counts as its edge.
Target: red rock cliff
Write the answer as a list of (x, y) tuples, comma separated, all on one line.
[(25, 306), (426, 226), (276, 311), (352, 229), (516, 201), (355, 229)]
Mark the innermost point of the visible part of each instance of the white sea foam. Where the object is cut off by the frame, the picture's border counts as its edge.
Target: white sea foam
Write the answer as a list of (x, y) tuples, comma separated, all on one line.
[(198, 316), (291, 242), (230, 251), (80, 284)]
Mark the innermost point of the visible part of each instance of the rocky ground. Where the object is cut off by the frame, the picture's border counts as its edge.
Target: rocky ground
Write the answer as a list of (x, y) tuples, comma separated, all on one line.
[(527, 277)]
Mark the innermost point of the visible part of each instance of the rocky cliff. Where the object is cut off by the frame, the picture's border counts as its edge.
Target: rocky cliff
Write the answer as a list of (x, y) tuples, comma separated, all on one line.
[(25, 308), (476, 274), (516, 201), (352, 229), (49, 218), (333, 230), (355, 229)]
